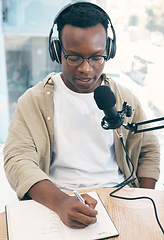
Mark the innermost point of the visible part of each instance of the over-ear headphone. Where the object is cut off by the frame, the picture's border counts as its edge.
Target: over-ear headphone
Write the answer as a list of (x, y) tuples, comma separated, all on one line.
[(55, 44)]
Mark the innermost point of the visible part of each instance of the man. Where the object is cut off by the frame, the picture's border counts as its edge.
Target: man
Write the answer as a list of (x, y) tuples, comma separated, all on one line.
[(55, 142)]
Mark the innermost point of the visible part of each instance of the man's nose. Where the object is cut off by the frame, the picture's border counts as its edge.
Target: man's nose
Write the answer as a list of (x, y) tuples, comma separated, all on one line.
[(85, 66)]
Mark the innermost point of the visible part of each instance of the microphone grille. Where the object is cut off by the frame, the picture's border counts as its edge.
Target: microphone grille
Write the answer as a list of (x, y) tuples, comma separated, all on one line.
[(104, 97)]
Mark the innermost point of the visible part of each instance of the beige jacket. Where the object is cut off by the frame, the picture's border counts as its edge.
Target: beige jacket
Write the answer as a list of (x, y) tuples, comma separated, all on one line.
[(28, 149)]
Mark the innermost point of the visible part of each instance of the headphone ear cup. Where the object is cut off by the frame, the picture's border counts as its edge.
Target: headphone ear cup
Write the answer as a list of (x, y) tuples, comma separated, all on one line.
[(55, 50), (110, 48)]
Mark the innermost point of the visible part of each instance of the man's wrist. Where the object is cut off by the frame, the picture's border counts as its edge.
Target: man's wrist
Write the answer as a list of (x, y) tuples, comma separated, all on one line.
[(147, 183), (47, 193)]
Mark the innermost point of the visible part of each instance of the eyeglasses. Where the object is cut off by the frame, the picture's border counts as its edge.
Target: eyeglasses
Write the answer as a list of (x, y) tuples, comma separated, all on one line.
[(77, 60)]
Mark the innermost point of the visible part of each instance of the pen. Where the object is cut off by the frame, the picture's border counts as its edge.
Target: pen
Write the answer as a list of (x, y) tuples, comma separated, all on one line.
[(78, 196)]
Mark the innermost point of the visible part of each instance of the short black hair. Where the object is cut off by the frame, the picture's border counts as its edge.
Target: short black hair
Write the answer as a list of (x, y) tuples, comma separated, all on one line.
[(82, 15)]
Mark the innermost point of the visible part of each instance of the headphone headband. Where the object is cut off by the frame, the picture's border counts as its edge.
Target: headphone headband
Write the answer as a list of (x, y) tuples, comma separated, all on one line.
[(76, 3), (55, 45)]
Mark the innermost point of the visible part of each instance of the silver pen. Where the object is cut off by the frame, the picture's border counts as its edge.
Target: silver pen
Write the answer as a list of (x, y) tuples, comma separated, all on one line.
[(79, 196)]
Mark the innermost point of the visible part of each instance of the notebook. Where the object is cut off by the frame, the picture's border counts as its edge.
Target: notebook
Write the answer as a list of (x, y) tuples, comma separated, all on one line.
[(31, 220)]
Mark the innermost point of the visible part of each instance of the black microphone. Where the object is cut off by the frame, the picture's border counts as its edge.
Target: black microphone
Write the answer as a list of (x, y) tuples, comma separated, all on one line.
[(105, 100)]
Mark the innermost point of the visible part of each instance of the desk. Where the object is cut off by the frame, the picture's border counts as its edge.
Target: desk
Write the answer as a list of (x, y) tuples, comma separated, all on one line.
[(133, 219)]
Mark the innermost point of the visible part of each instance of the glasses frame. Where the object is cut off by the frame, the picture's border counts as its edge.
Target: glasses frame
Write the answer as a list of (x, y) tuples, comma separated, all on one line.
[(66, 56)]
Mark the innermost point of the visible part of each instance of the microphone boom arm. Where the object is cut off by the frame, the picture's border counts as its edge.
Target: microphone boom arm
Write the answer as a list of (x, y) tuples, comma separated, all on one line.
[(133, 127)]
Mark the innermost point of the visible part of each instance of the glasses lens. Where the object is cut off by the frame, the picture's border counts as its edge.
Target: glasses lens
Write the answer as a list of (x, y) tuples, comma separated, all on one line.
[(96, 61), (74, 60)]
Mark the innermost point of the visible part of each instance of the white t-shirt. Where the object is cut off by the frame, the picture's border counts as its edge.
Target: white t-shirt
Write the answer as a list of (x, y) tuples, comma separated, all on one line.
[(84, 154)]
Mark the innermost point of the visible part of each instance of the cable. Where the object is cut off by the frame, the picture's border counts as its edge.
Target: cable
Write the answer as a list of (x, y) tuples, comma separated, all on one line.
[(136, 198), (127, 181)]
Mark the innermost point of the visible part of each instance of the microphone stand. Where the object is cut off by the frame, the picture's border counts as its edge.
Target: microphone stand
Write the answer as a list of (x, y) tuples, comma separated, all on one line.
[(133, 127), (117, 122)]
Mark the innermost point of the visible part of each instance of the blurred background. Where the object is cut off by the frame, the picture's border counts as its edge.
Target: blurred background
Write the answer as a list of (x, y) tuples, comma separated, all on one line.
[(24, 58)]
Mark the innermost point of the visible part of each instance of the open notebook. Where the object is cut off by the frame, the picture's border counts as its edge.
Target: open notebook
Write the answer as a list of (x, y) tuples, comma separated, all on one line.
[(29, 220)]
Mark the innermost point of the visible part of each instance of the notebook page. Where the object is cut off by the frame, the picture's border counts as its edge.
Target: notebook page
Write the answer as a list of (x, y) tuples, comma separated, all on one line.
[(31, 220)]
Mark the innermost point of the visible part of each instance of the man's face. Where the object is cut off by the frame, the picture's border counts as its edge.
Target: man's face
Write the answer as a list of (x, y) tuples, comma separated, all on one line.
[(85, 42)]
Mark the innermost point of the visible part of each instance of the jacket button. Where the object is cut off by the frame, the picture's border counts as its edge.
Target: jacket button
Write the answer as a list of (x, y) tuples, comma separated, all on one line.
[(48, 92), (48, 118)]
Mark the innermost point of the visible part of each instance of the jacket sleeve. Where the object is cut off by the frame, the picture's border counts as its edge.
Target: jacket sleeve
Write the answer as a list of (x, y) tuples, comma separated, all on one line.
[(149, 157), (27, 156), (144, 148)]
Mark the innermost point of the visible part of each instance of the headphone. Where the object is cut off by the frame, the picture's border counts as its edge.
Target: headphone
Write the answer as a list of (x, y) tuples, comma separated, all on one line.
[(55, 44)]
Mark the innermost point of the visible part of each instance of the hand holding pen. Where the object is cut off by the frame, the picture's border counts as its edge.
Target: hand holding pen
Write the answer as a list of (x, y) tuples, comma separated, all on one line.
[(79, 196), (74, 212)]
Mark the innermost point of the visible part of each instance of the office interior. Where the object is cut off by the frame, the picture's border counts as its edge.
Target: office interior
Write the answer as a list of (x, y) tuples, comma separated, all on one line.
[(25, 60)]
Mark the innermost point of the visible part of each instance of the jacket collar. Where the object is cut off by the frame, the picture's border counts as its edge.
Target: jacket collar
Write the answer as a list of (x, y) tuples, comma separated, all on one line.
[(48, 79)]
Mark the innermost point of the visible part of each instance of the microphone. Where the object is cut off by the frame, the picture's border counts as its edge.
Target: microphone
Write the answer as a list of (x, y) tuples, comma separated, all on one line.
[(105, 100)]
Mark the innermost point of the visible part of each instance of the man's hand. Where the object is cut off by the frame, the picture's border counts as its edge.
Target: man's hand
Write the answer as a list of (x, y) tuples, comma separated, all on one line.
[(71, 211), (76, 214)]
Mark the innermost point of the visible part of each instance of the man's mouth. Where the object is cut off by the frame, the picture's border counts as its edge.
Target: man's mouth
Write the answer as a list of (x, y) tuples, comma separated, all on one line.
[(83, 79)]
